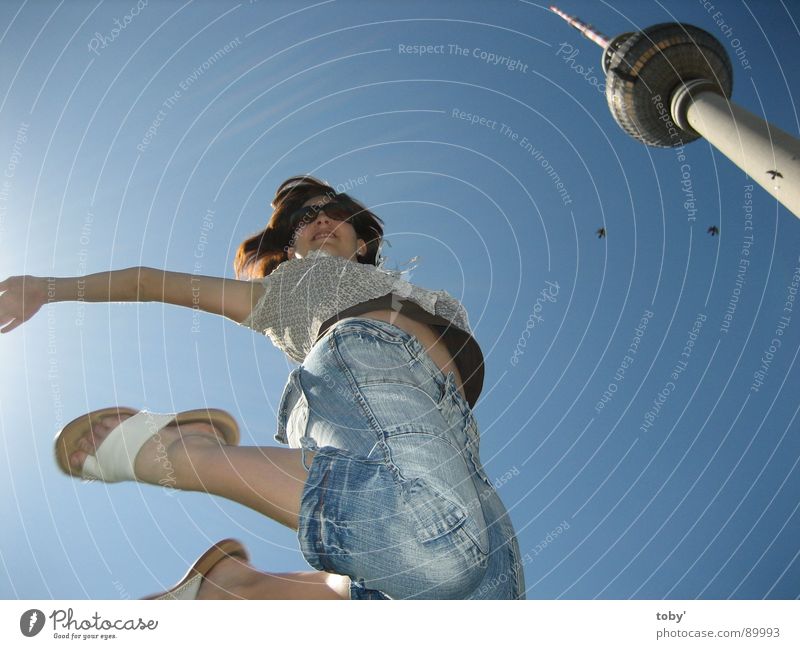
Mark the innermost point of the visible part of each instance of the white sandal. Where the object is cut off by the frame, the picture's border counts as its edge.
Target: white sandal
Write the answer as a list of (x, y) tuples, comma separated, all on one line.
[(116, 455), (189, 586)]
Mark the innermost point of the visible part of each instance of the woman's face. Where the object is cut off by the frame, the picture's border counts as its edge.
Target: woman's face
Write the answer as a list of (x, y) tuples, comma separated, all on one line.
[(323, 232)]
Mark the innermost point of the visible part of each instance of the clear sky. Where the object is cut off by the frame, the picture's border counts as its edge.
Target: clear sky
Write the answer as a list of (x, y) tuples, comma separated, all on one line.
[(156, 135)]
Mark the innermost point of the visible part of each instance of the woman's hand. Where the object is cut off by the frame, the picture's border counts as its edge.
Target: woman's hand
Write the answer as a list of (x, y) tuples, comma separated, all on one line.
[(20, 299)]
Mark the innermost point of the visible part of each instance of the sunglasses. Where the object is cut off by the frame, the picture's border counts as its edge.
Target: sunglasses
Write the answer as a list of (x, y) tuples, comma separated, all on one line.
[(335, 209)]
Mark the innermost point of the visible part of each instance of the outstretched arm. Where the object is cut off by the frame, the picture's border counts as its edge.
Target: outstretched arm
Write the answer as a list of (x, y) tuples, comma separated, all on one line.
[(22, 296), (231, 298)]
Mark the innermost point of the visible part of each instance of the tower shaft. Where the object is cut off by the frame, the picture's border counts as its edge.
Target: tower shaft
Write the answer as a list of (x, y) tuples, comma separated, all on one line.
[(751, 143)]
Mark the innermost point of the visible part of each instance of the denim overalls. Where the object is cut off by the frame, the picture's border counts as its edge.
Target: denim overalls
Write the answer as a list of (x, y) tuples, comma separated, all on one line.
[(396, 496)]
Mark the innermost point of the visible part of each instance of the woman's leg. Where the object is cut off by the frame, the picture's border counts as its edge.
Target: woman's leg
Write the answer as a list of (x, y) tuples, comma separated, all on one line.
[(420, 553), (192, 458), (269, 480)]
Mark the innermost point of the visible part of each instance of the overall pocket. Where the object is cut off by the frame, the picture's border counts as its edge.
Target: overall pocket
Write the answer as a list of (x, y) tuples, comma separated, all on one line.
[(438, 488), (437, 516)]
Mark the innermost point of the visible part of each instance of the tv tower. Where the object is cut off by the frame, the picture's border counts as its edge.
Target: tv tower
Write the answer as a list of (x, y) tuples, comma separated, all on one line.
[(671, 83)]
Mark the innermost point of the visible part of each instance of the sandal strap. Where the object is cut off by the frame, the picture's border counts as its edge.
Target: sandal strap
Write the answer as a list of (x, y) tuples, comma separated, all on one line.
[(116, 456), (188, 590)]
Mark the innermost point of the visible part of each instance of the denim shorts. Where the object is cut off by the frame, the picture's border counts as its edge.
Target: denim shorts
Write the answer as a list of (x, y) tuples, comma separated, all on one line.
[(396, 497)]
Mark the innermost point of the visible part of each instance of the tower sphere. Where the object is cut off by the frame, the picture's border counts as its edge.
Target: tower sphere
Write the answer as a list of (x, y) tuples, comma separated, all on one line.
[(644, 69)]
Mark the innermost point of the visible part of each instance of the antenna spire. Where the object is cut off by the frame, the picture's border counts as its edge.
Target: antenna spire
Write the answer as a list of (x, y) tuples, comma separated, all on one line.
[(584, 28)]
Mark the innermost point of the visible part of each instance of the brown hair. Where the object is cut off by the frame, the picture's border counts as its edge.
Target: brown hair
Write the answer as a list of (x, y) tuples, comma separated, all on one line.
[(260, 254)]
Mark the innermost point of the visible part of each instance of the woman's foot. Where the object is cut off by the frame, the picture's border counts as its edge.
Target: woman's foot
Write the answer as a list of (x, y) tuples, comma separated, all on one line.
[(224, 572), (234, 578), (162, 458), (231, 578)]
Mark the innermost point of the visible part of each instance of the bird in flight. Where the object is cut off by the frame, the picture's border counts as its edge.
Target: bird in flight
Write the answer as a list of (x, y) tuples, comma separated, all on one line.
[(775, 173), (713, 230), (601, 233)]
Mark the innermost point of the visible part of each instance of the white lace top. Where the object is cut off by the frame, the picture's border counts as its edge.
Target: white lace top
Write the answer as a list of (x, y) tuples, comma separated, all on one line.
[(301, 294)]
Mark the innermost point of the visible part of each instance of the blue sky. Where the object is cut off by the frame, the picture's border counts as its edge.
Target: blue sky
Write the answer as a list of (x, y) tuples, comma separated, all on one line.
[(132, 143)]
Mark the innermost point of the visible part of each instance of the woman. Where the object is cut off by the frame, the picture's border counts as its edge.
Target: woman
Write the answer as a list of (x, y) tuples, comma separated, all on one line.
[(382, 481)]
